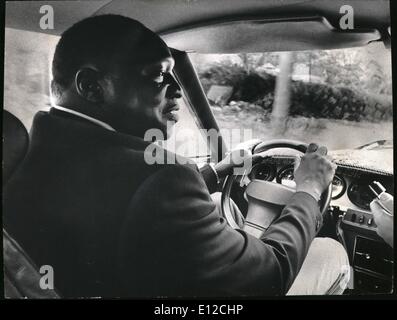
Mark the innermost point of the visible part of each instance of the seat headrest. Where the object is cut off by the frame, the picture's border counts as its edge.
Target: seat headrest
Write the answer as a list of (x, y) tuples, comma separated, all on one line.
[(15, 144)]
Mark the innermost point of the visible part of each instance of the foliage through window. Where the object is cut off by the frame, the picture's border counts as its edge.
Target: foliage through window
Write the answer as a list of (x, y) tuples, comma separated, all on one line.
[(341, 98)]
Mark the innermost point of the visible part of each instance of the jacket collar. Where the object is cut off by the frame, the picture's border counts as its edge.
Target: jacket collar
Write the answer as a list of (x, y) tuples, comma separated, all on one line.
[(63, 128), (84, 116)]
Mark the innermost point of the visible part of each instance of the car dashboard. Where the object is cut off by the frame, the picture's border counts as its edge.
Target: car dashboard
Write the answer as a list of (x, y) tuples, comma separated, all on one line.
[(349, 219), (350, 187)]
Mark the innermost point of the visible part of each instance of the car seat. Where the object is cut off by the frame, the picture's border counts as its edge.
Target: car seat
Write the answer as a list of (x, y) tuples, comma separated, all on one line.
[(21, 275)]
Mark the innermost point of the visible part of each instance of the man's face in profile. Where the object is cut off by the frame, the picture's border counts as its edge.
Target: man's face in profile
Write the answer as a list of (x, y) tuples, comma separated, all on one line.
[(143, 92)]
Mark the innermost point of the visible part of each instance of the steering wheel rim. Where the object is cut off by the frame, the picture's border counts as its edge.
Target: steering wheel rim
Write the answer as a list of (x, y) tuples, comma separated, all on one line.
[(258, 149)]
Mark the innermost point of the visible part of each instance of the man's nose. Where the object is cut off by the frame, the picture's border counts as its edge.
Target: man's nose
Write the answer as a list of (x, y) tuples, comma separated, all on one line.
[(174, 90)]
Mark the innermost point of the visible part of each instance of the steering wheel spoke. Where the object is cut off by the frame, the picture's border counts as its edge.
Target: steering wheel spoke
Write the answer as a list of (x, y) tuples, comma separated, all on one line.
[(265, 202)]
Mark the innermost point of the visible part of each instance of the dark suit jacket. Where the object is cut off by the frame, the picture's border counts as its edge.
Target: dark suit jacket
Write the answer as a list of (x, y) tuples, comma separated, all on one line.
[(85, 202)]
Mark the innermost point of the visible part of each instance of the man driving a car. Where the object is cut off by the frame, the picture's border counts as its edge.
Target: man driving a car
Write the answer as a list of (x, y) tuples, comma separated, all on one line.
[(85, 202)]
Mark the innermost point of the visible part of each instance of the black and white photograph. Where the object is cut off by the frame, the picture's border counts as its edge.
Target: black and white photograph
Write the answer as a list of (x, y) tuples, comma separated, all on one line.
[(198, 149)]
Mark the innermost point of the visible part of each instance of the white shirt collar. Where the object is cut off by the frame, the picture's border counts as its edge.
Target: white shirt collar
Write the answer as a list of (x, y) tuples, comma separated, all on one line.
[(84, 116)]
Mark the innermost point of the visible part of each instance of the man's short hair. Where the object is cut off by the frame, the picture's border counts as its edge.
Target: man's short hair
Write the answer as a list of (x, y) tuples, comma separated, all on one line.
[(95, 39)]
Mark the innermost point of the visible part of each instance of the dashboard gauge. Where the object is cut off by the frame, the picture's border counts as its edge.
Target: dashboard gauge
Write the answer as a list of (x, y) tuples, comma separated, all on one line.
[(360, 194), (338, 187), (286, 176), (263, 171)]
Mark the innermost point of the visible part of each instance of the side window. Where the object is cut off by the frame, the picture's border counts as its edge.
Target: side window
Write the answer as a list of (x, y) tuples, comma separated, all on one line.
[(27, 62)]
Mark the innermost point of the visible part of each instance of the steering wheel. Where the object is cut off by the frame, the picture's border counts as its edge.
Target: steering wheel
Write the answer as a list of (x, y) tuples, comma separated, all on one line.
[(265, 199)]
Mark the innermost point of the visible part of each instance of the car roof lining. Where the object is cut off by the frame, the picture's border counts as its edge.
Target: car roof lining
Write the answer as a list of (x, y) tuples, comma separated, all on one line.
[(168, 17), (292, 34)]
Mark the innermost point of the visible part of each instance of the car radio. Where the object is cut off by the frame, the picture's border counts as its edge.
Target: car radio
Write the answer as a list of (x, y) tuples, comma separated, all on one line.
[(360, 222), (370, 257)]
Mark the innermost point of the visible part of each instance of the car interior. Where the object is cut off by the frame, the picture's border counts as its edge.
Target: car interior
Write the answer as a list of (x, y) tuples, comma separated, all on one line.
[(235, 27)]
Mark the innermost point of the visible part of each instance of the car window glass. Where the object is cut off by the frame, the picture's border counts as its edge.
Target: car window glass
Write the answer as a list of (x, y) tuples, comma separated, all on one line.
[(28, 57), (341, 98)]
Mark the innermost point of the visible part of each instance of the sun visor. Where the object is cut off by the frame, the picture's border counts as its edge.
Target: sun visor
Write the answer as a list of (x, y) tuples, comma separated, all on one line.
[(296, 34)]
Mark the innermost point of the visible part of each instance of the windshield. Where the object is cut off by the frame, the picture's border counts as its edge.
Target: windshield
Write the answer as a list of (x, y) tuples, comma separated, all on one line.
[(340, 98)]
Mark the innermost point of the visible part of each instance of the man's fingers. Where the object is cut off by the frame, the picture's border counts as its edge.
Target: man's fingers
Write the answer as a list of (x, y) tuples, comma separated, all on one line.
[(322, 150), (376, 209), (312, 148), (373, 206), (238, 157)]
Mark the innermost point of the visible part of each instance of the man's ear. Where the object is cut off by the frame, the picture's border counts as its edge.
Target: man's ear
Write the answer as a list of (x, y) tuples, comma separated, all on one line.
[(87, 82)]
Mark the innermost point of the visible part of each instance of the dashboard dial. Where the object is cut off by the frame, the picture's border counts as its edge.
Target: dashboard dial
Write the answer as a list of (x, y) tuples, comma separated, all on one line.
[(263, 171), (338, 187), (286, 176), (360, 194)]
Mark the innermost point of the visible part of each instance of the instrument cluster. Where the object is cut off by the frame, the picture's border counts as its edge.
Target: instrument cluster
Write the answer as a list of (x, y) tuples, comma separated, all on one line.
[(349, 181)]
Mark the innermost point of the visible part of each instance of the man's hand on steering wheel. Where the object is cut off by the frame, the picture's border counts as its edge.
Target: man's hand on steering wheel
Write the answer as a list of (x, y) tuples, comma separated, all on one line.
[(233, 159), (313, 175), (314, 171)]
